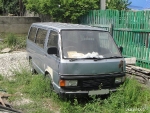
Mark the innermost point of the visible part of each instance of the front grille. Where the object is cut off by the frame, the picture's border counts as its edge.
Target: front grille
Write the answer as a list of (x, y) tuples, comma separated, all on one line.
[(97, 83)]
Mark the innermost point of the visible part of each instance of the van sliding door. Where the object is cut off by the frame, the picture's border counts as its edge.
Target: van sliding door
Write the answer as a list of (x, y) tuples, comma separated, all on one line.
[(40, 41)]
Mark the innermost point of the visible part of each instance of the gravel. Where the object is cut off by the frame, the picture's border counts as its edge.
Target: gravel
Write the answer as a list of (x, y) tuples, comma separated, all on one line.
[(12, 61)]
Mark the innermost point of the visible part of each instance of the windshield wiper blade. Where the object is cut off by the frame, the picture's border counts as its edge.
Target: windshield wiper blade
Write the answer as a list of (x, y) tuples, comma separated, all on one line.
[(96, 59), (113, 57), (73, 59)]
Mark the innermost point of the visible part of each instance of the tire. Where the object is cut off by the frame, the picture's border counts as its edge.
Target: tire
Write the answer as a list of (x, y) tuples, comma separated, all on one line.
[(49, 80), (33, 71)]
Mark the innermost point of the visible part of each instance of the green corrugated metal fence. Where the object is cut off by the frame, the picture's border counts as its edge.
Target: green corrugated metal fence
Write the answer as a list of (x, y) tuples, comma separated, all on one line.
[(131, 30)]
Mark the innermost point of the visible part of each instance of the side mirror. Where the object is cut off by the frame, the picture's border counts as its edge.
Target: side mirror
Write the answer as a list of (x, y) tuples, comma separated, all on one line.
[(121, 49), (52, 50)]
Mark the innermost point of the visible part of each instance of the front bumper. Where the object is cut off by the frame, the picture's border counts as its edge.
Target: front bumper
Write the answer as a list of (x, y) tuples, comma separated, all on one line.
[(86, 93), (101, 84)]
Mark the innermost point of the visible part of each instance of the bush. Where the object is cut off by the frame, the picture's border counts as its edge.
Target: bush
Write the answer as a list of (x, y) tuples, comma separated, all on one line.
[(15, 41), (11, 40)]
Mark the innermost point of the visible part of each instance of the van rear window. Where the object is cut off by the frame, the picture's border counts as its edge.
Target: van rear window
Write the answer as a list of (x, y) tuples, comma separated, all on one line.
[(32, 33)]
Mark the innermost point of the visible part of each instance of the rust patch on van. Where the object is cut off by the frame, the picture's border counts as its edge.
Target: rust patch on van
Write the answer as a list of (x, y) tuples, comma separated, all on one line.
[(121, 64)]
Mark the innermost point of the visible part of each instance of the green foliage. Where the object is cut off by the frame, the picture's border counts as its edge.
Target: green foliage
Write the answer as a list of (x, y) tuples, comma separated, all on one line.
[(1, 77), (11, 40), (35, 85), (1, 6), (118, 4), (9, 6), (131, 97), (14, 7), (68, 107), (15, 41), (62, 10), (38, 87), (34, 5)]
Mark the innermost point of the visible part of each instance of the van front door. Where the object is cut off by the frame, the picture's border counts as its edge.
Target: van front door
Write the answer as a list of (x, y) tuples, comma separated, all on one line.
[(52, 60)]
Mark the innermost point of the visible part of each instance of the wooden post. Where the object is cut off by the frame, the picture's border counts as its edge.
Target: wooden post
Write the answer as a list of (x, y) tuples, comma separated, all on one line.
[(21, 7)]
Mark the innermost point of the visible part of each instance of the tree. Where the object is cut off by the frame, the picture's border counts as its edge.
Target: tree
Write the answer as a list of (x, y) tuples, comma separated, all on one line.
[(21, 7), (62, 10), (118, 4), (14, 7), (1, 6)]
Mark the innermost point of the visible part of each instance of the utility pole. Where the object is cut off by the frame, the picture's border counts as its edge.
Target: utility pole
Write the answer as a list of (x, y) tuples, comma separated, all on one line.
[(3, 8), (20, 7), (103, 4)]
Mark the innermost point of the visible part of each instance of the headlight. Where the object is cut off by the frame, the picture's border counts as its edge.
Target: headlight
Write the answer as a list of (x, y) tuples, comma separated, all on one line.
[(119, 79), (71, 82), (68, 82)]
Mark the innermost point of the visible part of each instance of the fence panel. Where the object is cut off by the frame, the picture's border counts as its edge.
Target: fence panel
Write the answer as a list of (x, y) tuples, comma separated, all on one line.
[(131, 30)]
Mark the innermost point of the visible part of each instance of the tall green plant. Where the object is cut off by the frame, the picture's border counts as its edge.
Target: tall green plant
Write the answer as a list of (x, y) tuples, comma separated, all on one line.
[(118, 4), (15, 41), (131, 97), (11, 40), (62, 10), (15, 7), (1, 6)]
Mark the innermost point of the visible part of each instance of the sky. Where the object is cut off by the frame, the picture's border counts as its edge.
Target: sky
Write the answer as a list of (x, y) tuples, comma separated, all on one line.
[(140, 4)]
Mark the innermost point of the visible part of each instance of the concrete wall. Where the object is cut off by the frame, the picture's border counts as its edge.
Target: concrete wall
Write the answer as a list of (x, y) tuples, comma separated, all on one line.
[(14, 24)]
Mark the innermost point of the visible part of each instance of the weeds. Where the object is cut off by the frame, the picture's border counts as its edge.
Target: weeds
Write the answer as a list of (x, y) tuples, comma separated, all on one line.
[(133, 97), (37, 87), (1, 77), (13, 41)]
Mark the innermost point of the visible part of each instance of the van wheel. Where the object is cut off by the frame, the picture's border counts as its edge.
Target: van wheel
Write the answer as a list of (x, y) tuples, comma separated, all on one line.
[(49, 80), (33, 71)]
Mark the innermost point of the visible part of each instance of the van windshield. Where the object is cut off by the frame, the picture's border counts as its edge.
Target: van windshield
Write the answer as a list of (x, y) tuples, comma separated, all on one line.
[(88, 44)]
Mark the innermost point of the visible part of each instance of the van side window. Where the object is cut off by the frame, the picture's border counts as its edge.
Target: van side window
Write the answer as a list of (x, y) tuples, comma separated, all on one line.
[(40, 39), (32, 33), (53, 39)]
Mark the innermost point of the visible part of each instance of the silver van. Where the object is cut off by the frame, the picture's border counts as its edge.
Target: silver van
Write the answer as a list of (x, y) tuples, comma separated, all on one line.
[(78, 59)]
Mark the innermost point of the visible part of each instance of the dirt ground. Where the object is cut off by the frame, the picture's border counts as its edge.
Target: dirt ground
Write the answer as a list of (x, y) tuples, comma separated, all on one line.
[(12, 61)]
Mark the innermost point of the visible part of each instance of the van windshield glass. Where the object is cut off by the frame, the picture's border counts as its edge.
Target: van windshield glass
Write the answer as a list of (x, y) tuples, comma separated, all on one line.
[(88, 44)]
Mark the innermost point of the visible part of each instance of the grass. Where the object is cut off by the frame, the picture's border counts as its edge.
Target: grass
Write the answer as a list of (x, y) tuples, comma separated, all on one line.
[(13, 41), (133, 98)]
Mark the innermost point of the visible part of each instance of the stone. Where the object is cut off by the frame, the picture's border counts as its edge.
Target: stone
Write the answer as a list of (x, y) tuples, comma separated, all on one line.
[(6, 50), (1, 40)]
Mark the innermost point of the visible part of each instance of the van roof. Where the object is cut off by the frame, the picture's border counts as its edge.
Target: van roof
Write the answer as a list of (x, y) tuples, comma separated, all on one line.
[(60, 26)]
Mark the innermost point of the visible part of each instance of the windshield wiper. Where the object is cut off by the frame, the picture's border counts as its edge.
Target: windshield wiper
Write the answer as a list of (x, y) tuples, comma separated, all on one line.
[(73, 59), (96, 59), (112, 57)]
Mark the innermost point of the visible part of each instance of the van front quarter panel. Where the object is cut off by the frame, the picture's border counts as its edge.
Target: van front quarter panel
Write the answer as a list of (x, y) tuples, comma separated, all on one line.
[(52, 67)]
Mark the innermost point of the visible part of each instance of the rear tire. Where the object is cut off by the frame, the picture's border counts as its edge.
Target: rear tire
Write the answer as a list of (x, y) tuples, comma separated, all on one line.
[(33, 71)]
